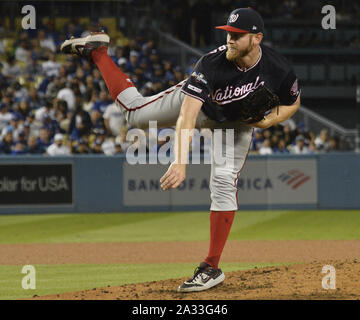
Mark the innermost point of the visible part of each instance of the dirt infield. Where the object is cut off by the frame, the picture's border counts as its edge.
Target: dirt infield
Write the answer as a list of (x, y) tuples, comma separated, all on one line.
[(297, 281), (167, 252)]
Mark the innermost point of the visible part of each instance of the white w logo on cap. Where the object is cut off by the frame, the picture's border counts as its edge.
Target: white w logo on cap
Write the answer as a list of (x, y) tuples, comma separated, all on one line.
[(233, 18)]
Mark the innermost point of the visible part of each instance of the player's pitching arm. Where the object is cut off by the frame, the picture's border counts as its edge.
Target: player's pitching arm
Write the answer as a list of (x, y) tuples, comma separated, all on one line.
[(184, 131), (278, 115)]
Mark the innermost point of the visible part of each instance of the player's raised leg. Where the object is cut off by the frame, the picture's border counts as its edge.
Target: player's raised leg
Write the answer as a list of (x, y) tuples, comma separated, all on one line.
[(138, 110)]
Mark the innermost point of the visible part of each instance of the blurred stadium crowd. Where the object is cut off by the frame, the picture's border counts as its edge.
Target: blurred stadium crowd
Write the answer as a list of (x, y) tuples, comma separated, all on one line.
[(193, 21), (59, 105)]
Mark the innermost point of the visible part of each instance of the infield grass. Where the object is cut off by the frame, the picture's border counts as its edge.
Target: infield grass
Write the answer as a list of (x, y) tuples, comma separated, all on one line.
[(178, 226)]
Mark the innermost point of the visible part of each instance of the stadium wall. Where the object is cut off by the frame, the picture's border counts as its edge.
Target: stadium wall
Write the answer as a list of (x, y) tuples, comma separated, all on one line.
[(90, 183)]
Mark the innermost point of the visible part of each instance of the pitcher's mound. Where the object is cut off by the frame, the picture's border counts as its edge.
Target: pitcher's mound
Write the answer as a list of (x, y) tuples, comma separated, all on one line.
[(297, 281)]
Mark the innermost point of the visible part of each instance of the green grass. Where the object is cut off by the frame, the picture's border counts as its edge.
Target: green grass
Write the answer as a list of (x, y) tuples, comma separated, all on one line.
[(178, 226), (135, 227), (300, 225), (53, 279)]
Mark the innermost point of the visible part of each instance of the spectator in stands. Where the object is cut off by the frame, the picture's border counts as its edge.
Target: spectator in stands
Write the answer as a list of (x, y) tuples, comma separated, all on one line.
[(34, 100), (18, 148), (51, 67), (23, 109), (7, 142), (91, 97), (300, 147), (96, 148), (322, 141), (14, 125), (46, 42), (44, 112), (52, 125), (90, 87), (333, 145), (82, 147), (312, 147), (33, 125), (74, 29), (266, 148), (20, 143), (77, 83), (61, 115), (114, 119), (148, 47), (288, 135), (133, 62), (36, 51), (58, 148), (54, 86), (68, 94), (98, 80), (257, 140), (97, 119), (281, 147), (33, 146), (5, 115), (43, 140), (21, 52), (19, 91), (120, 59), (118, 149), (11, 69), (103, 102), (80, 123), (107, 141)]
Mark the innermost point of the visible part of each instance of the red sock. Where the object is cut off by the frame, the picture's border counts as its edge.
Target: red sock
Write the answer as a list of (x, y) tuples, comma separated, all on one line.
[(220, 225), (116, 80)]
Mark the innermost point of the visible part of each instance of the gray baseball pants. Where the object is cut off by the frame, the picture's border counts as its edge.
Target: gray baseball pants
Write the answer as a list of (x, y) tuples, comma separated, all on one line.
[(164, 108)]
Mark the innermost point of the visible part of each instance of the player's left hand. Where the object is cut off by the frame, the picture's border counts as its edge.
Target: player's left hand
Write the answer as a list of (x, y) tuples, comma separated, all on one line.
[(173, 176)]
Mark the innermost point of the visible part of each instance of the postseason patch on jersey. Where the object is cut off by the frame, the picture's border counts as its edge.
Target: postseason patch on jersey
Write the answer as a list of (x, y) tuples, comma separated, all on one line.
[(199, 77), (191, 87), (294, 91)]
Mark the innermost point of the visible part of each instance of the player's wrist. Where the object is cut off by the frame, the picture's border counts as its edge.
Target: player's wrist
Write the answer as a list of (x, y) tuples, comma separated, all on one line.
[(262, 124), (180, 163)]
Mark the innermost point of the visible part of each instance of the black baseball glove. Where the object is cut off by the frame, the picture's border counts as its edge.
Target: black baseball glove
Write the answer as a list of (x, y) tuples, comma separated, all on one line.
[(254, 107)]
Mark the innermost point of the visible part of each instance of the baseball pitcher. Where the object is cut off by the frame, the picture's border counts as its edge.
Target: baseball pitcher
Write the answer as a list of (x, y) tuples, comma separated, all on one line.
[(240, 85)]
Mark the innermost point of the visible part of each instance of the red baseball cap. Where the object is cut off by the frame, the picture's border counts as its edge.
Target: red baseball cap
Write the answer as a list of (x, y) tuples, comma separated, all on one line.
[(244, 20)]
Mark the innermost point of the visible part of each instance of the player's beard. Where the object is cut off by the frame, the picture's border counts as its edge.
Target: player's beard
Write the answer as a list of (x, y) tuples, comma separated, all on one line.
[(234, 55)]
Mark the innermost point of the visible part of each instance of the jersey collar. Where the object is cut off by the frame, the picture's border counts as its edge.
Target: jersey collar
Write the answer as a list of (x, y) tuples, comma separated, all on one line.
[(253, 66)]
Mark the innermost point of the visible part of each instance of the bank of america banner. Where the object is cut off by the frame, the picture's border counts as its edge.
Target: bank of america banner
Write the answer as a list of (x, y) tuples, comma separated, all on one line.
[(36, 184), (278, 182), (261, 182)]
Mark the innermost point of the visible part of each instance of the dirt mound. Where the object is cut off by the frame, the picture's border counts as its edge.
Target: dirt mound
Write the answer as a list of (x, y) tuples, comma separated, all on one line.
[(297, 281)]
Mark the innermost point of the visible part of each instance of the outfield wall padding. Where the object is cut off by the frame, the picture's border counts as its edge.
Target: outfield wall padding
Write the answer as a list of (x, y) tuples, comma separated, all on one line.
[(95, 183)]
